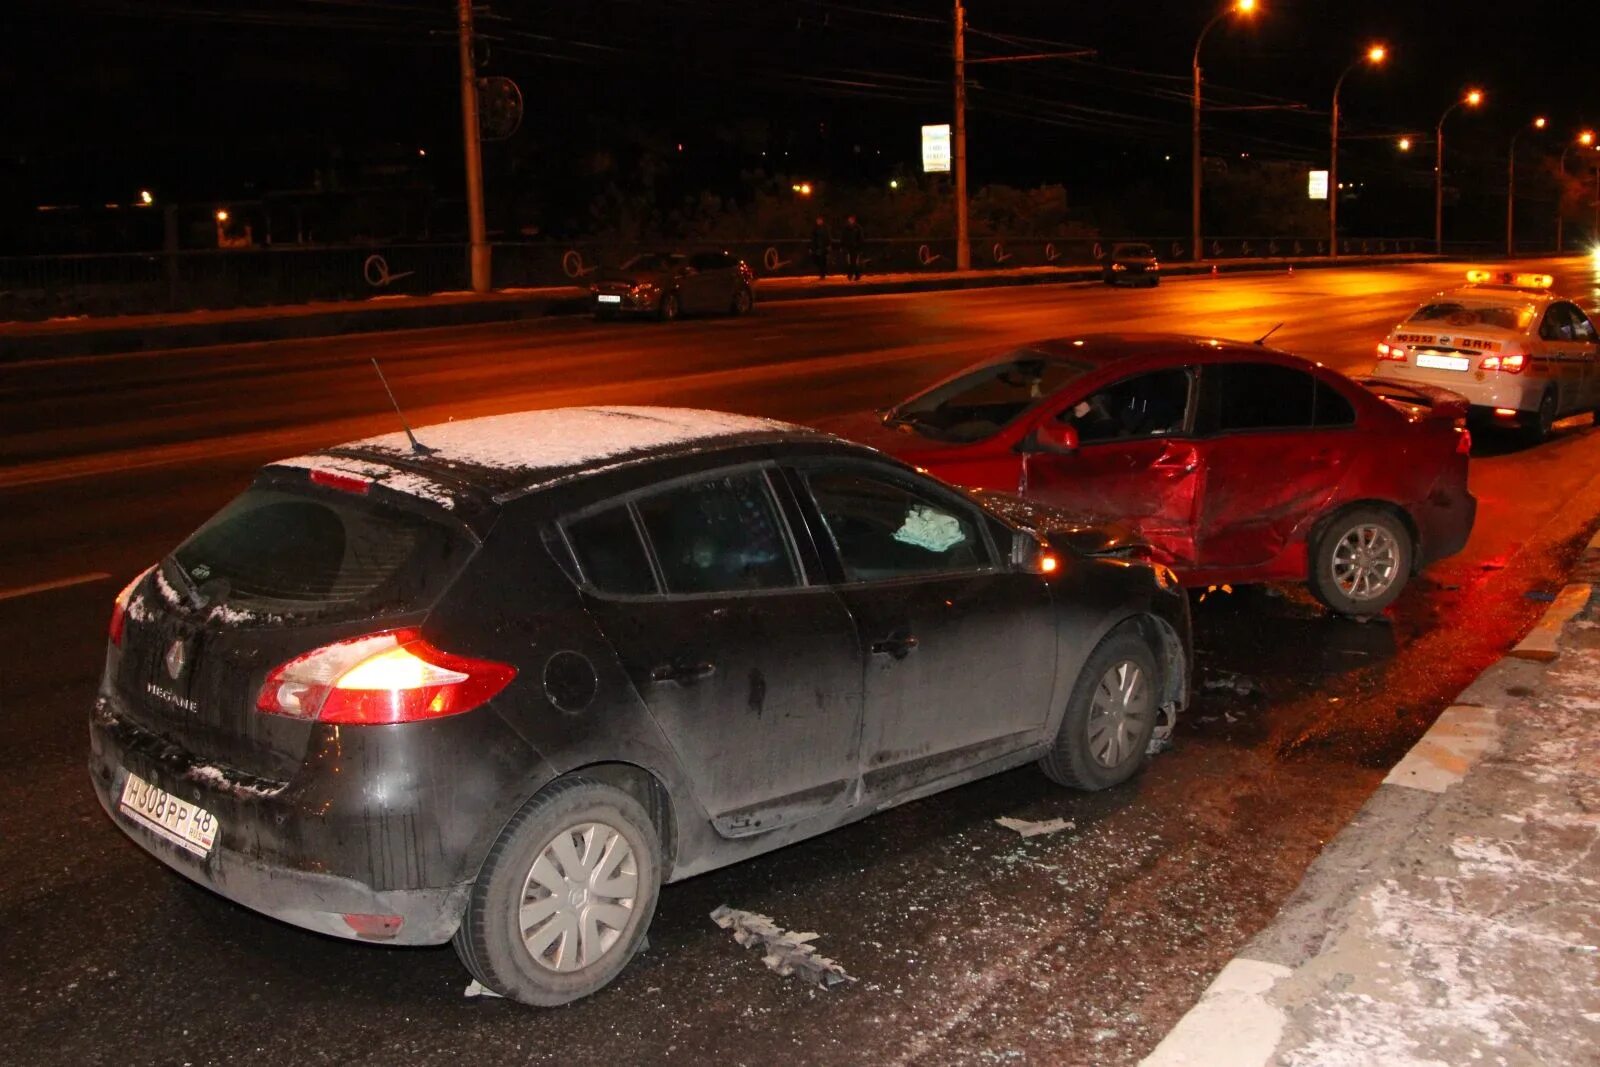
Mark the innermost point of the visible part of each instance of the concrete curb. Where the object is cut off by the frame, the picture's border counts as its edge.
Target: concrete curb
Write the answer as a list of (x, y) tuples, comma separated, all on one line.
[(1238, 1021), (31, 341)]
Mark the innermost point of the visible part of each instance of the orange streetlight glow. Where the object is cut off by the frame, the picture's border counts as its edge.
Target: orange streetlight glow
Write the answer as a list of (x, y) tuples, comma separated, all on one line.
[(1377, 54), (222, 215), (1245, 7), (1538, 123), (1404, 144), (146, 198), (1474, 97), (1586, 138)]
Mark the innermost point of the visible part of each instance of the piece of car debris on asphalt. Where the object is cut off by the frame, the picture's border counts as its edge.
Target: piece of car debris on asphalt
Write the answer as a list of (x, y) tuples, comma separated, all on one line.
[(787, 953), (1034, 829)]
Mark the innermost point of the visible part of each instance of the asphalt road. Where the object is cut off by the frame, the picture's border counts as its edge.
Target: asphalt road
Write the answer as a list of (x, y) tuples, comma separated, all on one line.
[(970, 944)]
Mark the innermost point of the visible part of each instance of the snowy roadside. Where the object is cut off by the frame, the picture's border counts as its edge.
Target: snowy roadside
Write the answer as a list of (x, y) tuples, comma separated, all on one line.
[(1457, 918)]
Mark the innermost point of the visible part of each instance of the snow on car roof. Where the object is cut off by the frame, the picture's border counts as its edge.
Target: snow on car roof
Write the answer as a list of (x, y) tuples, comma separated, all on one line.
[(533, 447)]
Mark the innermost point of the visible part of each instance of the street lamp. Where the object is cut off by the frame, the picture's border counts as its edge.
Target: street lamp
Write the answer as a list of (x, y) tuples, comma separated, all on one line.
[(1583, 140), (1473, 98), (1511, 180), (1374, 56), (1238, 7), (1404, 144)]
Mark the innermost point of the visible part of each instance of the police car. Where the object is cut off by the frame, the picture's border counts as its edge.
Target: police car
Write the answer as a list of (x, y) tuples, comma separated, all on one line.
[(1520, 354)]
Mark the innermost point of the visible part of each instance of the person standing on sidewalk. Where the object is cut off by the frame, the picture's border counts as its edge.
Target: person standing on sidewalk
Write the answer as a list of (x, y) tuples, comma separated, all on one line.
[(821, 241), (852, 240)]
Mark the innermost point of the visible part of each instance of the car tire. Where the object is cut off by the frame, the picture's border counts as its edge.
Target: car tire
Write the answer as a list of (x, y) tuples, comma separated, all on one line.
[(743, 301), (1110, 717), (669, 308), (1361, 561), (1536, 431), (571, 948)]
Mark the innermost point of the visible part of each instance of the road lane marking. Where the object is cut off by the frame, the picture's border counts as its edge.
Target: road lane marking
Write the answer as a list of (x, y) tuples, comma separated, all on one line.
[(59, 583)]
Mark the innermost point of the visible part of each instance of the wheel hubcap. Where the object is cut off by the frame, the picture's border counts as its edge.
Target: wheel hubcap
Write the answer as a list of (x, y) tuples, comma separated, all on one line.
[(1365, 562), (1123, 704), (578, 897)]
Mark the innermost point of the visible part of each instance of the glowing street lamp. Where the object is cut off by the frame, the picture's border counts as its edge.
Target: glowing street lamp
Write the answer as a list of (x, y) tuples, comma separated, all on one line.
[(1375, 55), (1511, 179), (1473, 98), (803, 188), (146, 197), (1404, 144), (222, 215), (1245, 8)]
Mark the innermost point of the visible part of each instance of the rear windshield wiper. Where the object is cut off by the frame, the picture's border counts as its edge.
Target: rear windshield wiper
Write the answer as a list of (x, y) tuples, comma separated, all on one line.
[(185, 584)]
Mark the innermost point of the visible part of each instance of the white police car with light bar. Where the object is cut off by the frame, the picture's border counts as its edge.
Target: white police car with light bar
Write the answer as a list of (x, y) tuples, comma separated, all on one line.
[(1521, 355)]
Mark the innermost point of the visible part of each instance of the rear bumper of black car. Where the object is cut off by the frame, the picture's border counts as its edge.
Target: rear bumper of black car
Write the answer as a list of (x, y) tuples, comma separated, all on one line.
[(359, 856)]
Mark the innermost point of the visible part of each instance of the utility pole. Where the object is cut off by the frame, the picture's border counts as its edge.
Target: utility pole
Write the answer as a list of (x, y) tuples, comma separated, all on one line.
[(478, 256), (958, 148)]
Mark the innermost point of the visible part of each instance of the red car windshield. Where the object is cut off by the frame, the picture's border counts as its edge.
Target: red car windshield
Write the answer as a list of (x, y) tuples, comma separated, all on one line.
[(985, 401)]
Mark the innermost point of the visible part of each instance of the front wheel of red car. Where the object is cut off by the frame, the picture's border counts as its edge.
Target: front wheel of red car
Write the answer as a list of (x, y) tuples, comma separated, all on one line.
[(1110, 717), (1361, 561), (563, 901)]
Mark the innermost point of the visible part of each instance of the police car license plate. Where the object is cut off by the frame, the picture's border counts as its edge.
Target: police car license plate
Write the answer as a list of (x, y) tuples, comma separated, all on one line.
[(609, 298), (179, 821), (1434, 362)]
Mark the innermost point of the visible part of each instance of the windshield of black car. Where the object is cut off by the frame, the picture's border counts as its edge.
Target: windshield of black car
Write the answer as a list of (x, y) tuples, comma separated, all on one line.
[(1133, 252), (1466, 315), (985, 401), (315, 553), (650, 261)]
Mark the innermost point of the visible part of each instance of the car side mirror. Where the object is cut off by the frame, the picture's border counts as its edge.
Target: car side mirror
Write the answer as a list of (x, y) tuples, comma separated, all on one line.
[(1053, 435)]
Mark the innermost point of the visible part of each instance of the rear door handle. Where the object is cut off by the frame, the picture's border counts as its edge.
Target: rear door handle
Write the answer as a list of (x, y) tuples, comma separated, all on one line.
[(1175, 461), (898, 644), (682, 673)]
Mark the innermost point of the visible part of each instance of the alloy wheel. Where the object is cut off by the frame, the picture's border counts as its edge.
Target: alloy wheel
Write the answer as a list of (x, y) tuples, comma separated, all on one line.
[(1365, 562)]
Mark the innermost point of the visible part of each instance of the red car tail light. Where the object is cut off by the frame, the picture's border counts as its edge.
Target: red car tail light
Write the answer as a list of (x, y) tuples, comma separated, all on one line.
[(1509, 363), (119, 608), (1394, 352), (1463, 441), (382, 678)]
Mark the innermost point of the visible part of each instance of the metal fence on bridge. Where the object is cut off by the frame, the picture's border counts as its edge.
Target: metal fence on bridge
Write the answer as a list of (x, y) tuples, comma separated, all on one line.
[(42, 287)]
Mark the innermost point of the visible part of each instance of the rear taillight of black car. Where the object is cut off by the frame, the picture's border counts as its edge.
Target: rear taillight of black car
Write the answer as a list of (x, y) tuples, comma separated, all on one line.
[(390, 677)]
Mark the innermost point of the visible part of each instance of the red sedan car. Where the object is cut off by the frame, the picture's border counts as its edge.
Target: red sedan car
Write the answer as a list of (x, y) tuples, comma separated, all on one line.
[(1238, 463)]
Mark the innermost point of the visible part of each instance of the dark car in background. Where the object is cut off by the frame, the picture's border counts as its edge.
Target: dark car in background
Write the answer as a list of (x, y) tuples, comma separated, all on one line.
[(498, 692), (1130, 263), (668, 284), (1237, 462)]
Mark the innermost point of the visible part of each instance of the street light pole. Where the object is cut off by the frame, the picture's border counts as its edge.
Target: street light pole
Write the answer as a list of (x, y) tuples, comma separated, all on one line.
[(478, 235), (958, 137), (1585, 139), (1511, 185), (1473, 98), (1375, 55), (1243, 7)]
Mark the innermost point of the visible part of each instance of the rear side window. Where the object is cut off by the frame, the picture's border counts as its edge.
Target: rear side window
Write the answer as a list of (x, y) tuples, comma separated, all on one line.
[(709, 261), (1255, 396), (883, 529), (283, 552), (1332, 409), (610, 553), (719, 535)]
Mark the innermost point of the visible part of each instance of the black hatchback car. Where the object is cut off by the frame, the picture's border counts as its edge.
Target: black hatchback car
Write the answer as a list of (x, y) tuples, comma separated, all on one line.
[(499, 692), (668, 284)]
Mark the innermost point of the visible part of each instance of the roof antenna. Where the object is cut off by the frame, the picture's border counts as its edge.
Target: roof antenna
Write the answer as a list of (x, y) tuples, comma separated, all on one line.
[(1259, 340), (416, 446)]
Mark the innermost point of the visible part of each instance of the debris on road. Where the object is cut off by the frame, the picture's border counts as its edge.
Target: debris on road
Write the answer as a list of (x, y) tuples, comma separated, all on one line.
[(1238, 683), (476, 988), (1034, 829), (787, 953)]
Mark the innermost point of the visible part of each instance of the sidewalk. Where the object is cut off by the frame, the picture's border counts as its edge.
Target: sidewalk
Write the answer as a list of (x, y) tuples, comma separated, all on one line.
[(1457, 918), (192, 329)]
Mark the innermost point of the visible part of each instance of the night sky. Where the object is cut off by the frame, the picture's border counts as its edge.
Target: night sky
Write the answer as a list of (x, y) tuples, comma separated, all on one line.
[(202, 101)]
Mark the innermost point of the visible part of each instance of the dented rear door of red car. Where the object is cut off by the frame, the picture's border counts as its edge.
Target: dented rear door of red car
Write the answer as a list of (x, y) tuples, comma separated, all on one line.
[(1270, 468)]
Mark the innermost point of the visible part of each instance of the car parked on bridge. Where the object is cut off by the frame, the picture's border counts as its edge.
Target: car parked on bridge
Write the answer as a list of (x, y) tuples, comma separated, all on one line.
[(1238, 463), (1130, 263), (1522, 356), (668, 284), (495, 690)]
